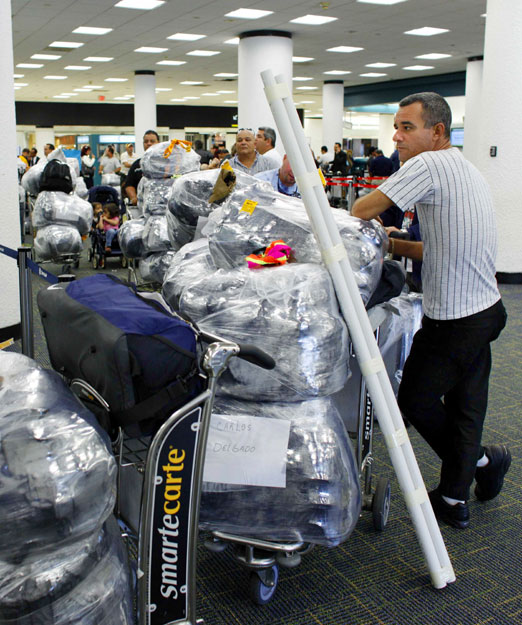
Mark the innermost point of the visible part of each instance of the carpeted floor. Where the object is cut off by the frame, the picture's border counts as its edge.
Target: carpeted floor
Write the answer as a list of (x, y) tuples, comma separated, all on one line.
[(381, 578)]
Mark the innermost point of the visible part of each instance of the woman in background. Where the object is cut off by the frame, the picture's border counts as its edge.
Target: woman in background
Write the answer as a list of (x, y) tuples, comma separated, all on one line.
[(87, 169)]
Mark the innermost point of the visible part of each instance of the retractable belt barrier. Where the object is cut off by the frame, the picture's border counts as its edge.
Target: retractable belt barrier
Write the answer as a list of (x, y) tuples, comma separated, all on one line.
[(351, 181)]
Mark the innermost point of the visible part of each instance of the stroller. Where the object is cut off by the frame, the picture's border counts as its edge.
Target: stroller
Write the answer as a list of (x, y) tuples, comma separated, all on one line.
[(97, 253)]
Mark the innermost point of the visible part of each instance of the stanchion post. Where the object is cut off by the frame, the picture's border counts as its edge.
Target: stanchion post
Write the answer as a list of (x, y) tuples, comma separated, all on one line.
[(26, 302)]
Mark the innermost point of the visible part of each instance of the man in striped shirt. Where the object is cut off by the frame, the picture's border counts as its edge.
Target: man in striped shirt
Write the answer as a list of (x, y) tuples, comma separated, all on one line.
[(444, 388)]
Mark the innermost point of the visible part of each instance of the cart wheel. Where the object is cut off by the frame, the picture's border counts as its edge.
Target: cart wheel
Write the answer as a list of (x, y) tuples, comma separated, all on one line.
[(263, 584), (124, 262), (381, 504)]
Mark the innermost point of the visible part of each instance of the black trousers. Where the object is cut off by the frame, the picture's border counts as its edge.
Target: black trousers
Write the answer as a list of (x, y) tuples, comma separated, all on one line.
[(444, 391)]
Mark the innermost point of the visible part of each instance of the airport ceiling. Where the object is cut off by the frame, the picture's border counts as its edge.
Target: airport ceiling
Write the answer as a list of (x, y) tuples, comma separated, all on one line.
[(378, 29)]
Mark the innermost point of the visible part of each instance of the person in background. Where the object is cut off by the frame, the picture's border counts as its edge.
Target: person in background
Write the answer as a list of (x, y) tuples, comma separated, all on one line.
[(130, 186), (265, 144), (339, 163), (380, 165), (109, 164), (87, 169), (281, 179), (34, 157), (395, 160), (48, 148), (444, 387), (325, 158), (247, 158), (109, 223), (205, 155), (222, 154), (127, 158), (25, 157)]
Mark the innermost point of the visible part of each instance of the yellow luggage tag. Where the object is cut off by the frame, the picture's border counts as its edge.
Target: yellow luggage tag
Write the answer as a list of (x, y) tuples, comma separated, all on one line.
[(248, 206)]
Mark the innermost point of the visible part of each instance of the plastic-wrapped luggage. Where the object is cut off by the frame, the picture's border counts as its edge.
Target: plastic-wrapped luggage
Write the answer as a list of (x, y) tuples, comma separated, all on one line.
[(54, 241), (73, 164), (154, 266), (111, 180), (57, 207), (153, 194), (81, 189), (179, 233), (155, 234), (130, 238), (158, 162), (31, 178), (234, 233), (291, 312), (321, 501)]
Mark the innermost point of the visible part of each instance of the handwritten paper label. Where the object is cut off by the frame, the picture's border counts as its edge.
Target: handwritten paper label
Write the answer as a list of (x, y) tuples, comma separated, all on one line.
[(246, 450)]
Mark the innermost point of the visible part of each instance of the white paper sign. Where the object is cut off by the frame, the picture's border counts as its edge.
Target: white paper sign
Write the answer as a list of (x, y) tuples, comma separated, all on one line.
[(246, 450)]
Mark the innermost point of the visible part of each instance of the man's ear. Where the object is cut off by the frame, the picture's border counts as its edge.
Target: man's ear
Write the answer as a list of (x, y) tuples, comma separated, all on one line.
[(439, 131)]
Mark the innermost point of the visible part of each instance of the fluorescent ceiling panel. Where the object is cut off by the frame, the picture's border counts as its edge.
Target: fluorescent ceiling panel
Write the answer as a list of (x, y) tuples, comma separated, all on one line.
[(30, 65), (372, 75), (191, 82), (185, 37), (99, 59), (426, 31), (143, 5), (203, 53), (230, 101), (385, 2), (18, 75), (91, 30), (55, 77), (313, 20), (226, 75), (418, 68), (337, 72), (65, 44), (302, 59), (344, 49), (177, 99), (306, 88), (21, 84), (233, 42), (210, 94), (171, 62), (78, 68), (192, 97), (163, 89), (301, 78), (381, 65), (116, 79), (150, 50), (248, 14), (433, 56), (46, 57)]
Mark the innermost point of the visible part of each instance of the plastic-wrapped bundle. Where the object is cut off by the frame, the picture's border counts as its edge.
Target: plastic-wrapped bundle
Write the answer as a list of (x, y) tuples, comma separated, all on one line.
[(192, 262), (154, 266), (58, 479), (81, 189), (21, 197), (103, 597), (155, 164), (54, 241), (31, 178), (155, 235), (130, 238), (234, 233), (111, 180), (73, 165), (154, 193), (291, 312), (179, 233), (190, 193), (57, 207), (321, 501)]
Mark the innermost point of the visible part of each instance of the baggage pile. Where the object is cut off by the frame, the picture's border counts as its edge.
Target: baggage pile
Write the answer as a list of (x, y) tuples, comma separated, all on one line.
[(61, 556)]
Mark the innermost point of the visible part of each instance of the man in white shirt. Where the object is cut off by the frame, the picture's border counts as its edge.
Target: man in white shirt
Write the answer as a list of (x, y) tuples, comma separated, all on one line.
[(444, 387), (247, 159), (265, 145), (325, 158), (109, 164), (127, 158)]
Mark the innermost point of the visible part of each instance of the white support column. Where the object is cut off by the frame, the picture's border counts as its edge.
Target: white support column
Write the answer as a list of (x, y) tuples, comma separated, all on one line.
[(333, 111), (144, 105), (386, 132), (472, 116), (9, 208), (258, 51), (43, 136), (501, 127)]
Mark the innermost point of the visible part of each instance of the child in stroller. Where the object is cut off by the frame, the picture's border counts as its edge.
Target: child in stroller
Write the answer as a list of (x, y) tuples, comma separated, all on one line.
[(108, 223), (104, 241)]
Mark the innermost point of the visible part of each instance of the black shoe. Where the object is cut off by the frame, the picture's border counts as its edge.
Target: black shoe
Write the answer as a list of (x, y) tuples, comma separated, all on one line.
[(456, 516), (491, 477)]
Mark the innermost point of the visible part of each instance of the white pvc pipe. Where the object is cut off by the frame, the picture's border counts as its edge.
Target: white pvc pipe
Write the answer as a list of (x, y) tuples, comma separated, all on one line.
[(366, 348)]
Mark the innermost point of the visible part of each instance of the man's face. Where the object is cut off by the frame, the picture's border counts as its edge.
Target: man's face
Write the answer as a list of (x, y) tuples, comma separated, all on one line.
[(130, 149), (245, 143), (286, 175), (47, 150), (337, 148), (149, 140), (410, 135), (33, 153), (262, 144)]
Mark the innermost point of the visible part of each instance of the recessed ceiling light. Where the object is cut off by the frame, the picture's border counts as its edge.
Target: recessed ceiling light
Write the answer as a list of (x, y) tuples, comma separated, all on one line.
[(83, 89), (433, 56), (381, 65), (191, 82), (306, 102), (226, 75), (418, 68), (225, 91), (192, 97), (30, 65), (92, 87), (69, 94), (233, 42), (150, 50), (121, 97), (203, 53), (248, 14), (337, 72), (116, 79), (144, 5), (63, 97), (302, 59), (381, 1), (210, 94), (483, 15), (426, 31), (230, 101), (163, 89), (55, 77), (99, 59), (306, 88), (313, 20), (46, 57), (91, 30), (301, 78), (65, 44), (345, 49), (171, 63), (18, 75), (78, 68), (17, 87), (21, 84), (373, 75), (186, 37), (177, 99)]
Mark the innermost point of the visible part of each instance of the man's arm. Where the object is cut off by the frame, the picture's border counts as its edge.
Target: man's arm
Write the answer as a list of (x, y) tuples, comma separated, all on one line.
[(371, 205), (409, 249)]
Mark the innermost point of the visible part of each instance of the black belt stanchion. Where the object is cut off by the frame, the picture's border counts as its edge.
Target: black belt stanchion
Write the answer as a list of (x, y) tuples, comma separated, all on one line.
[(26, 301)]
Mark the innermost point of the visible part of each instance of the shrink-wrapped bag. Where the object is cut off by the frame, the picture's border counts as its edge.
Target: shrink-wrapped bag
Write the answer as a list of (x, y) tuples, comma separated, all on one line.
[(155, 235), (54, 241), (130, 238), (159, 162), (57, 207), (153, 267)]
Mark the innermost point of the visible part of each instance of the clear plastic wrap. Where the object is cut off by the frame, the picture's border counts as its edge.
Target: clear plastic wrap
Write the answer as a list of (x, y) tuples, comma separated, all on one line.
[(191, 262), (153, 193), (57, 207), (234, 233), (73, 165), (130, 238), (322, 499), (81, 189), (155, 164), (21, 197), (102, 597), (52, 242), (31, 178), (155, 235), (111, 180), (291, 312), (179, 233), (154, 266), (58, 479)]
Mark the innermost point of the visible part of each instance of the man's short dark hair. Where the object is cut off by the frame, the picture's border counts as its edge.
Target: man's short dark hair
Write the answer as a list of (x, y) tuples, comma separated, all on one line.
[(151, 132), (379, 152), (435, 109), (337, 143), (34, 150), (270, 133), (198, 144), (50, 145), (324, 148), (26, 150)]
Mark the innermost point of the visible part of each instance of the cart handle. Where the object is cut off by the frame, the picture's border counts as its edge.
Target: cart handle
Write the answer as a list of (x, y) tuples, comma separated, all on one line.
[(256, 356)]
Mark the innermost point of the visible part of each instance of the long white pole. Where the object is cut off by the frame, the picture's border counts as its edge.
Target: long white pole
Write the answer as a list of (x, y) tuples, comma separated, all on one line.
[(366, 348)]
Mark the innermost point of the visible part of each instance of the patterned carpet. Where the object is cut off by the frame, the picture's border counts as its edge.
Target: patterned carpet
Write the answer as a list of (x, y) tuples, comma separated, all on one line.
[(381, 578)]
